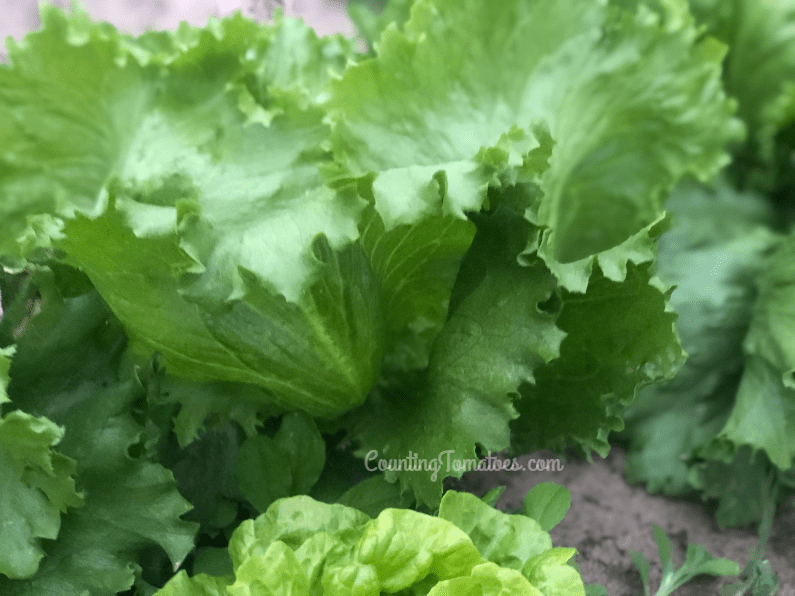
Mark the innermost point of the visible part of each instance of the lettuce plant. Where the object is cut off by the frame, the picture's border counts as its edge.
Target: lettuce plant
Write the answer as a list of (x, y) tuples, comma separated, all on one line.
[(300, 546), (697, 562), (411, 240), (723, 426)]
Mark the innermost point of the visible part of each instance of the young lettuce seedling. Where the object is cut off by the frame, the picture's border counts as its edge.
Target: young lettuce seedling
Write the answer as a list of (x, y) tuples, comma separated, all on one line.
[(697, 562)]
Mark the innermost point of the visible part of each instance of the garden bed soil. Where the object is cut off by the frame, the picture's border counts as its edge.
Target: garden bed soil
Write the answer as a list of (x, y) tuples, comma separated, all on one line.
[(608, 518)]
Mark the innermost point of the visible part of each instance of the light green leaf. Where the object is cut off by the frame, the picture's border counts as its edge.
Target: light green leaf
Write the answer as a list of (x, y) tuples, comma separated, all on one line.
[(36, 487), (416, 265), (551, 574), (294, 60), (760, 62), (276, 571), (697, 562), (294, 521), (416, 246), (60, 66), (762, 399), (389, 544), (302, 547), (507, 540), (600, 77), (714, 254), (371, 22), (644, 568), (487, 579), (198, 585), (353, 580)]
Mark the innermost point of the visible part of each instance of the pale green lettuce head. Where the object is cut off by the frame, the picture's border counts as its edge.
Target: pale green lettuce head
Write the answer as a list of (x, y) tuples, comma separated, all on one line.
[(303, 547)]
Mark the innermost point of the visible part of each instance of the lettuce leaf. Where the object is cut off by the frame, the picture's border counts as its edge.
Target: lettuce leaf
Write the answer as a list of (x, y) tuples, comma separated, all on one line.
[(487, 579), (187, 273), (67, 372), (37, 487), (699, 431), (436, 94), (288, 464), (763, 415), (758, 73), (713, 253), (198, 585), (507, 540), (582, 395)]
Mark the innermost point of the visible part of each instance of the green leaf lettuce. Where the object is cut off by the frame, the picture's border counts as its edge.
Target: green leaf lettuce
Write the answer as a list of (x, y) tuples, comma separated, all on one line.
[(301, 546)]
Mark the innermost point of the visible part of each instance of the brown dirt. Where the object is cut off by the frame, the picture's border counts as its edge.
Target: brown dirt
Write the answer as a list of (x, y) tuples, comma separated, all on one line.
[(608, 518)]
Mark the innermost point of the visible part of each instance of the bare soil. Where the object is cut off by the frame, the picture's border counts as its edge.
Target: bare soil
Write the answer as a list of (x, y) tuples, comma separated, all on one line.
[(608, 518)]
